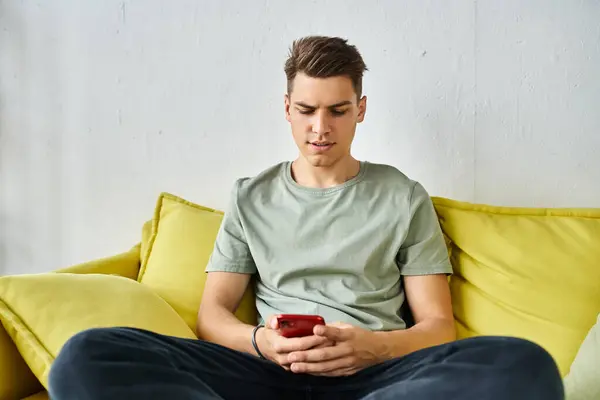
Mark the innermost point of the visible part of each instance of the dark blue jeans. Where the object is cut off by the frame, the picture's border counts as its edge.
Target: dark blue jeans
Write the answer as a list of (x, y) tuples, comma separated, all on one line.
[(125, 363)]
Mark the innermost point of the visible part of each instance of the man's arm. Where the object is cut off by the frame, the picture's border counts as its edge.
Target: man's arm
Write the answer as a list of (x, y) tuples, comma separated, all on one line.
[(424, 265), (357, 348), (429, 299), (217, 323), (229, 270)]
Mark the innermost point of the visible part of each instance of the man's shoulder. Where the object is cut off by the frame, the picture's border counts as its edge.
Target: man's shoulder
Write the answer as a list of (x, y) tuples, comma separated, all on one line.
[(389, 175), (262, 181), (387, 179)]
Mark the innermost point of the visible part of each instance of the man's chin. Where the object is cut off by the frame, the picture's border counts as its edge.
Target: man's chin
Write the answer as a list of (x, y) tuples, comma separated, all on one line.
[(320, 161)]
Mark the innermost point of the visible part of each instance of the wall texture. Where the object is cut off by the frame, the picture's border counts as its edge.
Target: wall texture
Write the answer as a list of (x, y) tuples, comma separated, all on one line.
[(103, 105)]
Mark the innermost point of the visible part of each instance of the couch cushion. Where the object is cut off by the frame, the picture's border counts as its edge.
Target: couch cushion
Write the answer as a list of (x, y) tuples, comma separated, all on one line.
[(530, 273), (181, 241), (582, 382), (146, 233), (40, 312), (16, 379), (38, 396)]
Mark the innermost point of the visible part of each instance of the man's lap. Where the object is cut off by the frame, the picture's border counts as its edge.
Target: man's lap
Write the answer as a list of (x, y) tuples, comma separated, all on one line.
[(230, 374)]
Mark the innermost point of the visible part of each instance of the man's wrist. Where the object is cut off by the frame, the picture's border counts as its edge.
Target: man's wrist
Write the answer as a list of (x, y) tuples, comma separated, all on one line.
[(426, 333), (255, 341), (386, 345)]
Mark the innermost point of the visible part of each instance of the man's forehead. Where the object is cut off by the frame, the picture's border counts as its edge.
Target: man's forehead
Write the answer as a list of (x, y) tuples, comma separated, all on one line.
[(328, 91), (321, 94)]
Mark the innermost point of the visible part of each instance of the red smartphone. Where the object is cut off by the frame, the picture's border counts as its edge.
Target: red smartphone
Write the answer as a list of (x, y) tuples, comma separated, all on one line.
[(296, 325)]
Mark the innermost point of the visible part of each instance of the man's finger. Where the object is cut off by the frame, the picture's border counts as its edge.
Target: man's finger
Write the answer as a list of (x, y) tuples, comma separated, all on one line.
[(337, 372), (319, 355), (326, 367), (342, 325), (337, 334), (326, 343), (271, 322), (288, 345)]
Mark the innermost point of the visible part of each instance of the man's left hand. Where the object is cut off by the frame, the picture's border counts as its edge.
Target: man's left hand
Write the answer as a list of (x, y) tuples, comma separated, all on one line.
[(354, 349)]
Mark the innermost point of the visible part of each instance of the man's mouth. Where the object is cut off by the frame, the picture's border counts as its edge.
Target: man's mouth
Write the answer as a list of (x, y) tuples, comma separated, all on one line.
[(321, 147)]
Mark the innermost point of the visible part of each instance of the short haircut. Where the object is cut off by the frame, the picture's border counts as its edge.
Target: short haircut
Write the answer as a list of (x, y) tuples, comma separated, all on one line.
[(325, 57)]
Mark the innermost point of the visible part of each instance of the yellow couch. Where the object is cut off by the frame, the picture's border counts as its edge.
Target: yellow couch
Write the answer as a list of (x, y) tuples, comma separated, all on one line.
[(531, 273), (16, 379)]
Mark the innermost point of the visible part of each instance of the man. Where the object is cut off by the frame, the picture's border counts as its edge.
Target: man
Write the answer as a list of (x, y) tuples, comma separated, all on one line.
[(327, 235)]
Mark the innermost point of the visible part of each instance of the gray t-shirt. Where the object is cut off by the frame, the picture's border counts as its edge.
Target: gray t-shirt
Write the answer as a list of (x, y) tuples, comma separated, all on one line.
[(337, 252)]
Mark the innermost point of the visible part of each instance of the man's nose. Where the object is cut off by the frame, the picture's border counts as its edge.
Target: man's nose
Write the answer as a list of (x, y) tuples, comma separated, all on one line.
[(320, 124)]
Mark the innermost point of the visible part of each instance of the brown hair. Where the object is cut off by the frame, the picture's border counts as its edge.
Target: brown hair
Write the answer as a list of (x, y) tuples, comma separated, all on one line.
[(324, 57)]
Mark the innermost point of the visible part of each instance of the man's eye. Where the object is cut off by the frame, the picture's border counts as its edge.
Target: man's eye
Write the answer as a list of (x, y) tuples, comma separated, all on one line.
[(305, 112), (338, 112)]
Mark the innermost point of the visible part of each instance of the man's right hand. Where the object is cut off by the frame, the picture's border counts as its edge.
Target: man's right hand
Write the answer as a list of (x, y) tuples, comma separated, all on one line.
[(276, 347)]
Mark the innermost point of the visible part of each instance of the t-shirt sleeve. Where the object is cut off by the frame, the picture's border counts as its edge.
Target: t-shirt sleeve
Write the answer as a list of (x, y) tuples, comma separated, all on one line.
[(231, 252), (424, 250)]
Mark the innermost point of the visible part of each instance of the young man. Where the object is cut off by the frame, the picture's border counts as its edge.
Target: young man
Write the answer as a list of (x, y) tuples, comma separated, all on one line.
[(324, 235)]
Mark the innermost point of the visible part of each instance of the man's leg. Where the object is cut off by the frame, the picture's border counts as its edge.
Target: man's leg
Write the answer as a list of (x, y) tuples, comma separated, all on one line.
[(126, 363), (479, 368)]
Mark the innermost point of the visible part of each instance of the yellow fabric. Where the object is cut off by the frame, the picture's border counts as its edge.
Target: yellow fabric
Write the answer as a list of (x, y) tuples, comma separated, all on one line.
[(40, 312), (125, 264), (530, 273), (16, 380), (43, 395), (146, 233), (182, 239)]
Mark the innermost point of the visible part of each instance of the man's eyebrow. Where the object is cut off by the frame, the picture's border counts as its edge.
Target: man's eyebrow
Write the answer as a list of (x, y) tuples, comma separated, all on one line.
[(340, 104)]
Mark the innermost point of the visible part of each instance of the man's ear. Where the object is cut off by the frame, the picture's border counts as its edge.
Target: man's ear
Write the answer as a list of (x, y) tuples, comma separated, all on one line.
[(286, 102), (362, 109)]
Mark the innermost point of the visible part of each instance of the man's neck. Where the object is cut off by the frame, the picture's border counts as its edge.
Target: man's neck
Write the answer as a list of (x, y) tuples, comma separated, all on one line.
[(308, 175)]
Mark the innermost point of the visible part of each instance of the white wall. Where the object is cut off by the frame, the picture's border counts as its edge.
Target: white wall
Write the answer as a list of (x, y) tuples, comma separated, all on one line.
[(104, 104)]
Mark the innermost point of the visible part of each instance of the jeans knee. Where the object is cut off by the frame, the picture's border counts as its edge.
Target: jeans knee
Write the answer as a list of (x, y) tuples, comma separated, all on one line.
[(73, 362), (532, 354), (538, 365)]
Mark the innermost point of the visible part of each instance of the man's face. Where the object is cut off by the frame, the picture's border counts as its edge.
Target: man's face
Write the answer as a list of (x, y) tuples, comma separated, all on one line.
[(323, 113)]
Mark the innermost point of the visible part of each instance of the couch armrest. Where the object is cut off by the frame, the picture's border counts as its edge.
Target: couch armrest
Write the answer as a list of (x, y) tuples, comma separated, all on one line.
[(16, 379), (125, 264)]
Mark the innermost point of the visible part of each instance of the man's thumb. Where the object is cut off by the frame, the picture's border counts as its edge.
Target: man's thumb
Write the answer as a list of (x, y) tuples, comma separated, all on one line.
[(272, 322)]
